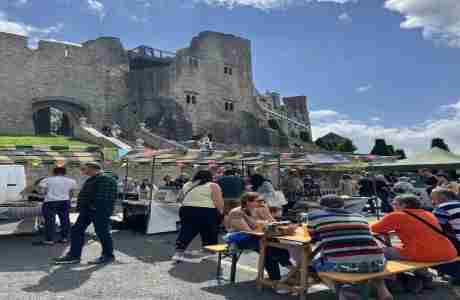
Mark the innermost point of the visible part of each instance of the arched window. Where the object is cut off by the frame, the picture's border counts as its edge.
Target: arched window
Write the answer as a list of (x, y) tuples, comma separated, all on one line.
[(188, 97)]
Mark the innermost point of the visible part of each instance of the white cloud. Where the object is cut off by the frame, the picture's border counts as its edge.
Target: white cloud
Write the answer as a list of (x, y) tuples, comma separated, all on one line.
[(266, 4), (364, 88), (323, 114), (413, 139), (345, 18), (63, 42), (20, 3), (439, 20), (97, 8), (376, 119), (20, 28)]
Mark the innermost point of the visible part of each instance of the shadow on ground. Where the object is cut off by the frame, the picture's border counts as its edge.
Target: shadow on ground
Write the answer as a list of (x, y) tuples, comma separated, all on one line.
[(233, 292), (63, 278)]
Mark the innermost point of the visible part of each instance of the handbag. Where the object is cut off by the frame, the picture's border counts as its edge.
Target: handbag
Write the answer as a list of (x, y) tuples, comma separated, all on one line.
[(452, 238)]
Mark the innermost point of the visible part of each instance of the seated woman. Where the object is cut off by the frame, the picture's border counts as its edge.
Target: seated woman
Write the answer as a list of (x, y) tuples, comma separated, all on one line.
[(419, 241), (246, 218), (345, 244)]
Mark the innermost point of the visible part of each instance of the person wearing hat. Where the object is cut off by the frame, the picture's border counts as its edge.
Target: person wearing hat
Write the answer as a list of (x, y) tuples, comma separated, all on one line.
[(95, 205), (345, 244)]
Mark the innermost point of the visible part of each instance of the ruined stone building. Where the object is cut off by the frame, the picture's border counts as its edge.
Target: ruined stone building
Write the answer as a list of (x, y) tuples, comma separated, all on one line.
[(205, 88)]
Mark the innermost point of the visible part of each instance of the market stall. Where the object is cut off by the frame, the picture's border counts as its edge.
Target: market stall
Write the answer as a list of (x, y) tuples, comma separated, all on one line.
[(19, 213)]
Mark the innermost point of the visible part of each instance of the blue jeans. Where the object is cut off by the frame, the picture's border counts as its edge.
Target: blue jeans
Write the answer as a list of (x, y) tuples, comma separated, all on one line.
[(49, 211), (102, 228)]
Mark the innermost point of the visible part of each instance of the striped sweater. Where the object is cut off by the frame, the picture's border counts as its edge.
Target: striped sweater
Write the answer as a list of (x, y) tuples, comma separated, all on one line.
[(344, 237), (449, 213)]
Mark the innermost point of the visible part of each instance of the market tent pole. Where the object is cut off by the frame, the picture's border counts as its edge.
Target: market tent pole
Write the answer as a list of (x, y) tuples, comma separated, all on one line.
[(125, 187), (152, 176), (279, 171)]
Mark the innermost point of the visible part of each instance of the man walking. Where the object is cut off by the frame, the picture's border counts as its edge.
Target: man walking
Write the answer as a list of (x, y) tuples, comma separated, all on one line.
[(95, 204), (58, 190), (232, 188)]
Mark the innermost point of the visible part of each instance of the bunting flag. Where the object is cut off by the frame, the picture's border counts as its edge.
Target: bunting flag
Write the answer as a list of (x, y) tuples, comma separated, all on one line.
[(122, 152)]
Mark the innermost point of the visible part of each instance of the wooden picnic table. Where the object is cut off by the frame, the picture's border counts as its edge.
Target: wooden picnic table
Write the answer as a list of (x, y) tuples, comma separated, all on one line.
[(300, 241)]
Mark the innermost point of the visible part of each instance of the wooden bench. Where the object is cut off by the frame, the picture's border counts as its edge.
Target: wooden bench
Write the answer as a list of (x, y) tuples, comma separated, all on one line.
[(392, 268), (223, 251)]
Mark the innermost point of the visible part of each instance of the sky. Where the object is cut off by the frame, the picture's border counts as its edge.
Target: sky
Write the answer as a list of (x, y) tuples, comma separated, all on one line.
[(370, 68)]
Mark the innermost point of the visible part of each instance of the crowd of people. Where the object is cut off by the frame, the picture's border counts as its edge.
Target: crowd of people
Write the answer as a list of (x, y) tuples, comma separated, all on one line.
[(426, 220), (345, 241)]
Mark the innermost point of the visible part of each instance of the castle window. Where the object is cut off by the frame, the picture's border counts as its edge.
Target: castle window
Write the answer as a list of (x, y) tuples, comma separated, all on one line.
[(193, 99), (226, 105), (231, 107), (188, 98), (66, 53), (228, 70), (193, 61)]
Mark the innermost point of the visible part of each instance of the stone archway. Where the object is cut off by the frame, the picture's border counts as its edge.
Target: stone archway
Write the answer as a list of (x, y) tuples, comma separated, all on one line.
[(72, 110)]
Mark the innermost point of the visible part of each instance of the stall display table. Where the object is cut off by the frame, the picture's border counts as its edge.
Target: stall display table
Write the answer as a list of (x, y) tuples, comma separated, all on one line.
[(150, 217)]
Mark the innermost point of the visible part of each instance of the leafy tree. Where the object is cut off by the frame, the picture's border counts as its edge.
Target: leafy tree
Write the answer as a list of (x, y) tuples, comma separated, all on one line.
[(304, 136), (380, 148), (391, 150), (347, 146), (401, 153), (438, 142)]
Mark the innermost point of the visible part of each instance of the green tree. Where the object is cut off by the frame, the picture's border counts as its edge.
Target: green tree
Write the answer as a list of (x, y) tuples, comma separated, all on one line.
[(347, 146), (401, 154), (304, 136), (438, 142), (380, 148), (391, 150)]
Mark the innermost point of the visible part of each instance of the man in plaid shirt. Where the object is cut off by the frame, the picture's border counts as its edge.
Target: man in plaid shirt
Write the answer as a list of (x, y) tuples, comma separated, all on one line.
[(95, 205)]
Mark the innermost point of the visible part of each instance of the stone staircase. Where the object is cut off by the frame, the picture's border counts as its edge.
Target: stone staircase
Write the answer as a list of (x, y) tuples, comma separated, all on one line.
[(87, 133), (156, 141)]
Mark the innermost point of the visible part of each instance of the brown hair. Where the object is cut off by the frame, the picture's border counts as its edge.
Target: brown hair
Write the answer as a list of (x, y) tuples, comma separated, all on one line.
[(409, 201), (248, 197)]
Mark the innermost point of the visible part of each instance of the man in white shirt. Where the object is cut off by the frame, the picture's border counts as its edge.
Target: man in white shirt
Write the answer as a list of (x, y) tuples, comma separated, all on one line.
[(59, 190)]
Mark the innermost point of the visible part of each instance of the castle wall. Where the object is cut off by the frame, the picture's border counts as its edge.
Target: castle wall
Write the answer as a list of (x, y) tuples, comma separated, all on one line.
[(93, 74)]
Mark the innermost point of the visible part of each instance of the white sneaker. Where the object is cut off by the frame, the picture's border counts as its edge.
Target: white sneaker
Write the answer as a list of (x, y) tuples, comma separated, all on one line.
[(282, 291), (178, 257)]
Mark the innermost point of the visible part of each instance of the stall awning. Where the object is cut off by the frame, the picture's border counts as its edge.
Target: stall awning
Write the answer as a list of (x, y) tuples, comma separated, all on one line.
[(435, 158)]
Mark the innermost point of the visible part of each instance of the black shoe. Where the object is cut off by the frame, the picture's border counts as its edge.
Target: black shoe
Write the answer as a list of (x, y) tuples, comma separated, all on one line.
[(43, 243), (102, 260), (66, 260)]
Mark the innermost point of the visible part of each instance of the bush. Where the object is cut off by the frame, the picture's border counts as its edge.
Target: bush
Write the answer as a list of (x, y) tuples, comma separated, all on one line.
[(304, 136)]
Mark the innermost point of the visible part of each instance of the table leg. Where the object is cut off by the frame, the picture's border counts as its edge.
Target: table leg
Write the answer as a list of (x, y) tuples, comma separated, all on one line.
[(304, 272), (261, 263), (219, 268)]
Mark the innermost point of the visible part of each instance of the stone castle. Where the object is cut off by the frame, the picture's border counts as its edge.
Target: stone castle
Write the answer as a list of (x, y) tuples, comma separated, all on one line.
[(205, 88)]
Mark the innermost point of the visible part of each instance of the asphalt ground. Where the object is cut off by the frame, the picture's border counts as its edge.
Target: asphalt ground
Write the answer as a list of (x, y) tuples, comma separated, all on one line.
[(143, 270)]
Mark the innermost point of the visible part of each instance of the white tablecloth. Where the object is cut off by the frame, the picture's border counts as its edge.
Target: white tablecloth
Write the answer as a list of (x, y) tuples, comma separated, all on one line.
[(163, 217)]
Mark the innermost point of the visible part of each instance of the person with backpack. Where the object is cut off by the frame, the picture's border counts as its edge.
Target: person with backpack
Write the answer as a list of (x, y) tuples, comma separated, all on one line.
[(201, 211), (421, 237)]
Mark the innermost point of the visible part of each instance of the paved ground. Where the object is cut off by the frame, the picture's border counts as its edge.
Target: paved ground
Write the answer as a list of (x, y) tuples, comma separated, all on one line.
[(143, 271)]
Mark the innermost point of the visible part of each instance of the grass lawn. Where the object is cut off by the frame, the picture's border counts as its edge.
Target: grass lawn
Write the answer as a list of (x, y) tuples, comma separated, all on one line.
[(40, 140)]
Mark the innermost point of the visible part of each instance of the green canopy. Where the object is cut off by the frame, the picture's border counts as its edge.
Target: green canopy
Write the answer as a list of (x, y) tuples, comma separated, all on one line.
[(435, 158)]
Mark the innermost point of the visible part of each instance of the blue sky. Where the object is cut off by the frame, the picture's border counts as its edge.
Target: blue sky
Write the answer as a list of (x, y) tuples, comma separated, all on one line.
[(370, 68)]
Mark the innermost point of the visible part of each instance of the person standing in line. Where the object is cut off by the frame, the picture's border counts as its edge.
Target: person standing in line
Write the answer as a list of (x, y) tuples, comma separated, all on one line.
[(58, 190), (232, 188), (202, 208), (346, 186), (95, 204)]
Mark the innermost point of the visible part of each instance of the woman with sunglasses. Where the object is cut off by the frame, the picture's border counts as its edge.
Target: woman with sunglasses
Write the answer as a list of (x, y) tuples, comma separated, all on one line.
[(252, 213)]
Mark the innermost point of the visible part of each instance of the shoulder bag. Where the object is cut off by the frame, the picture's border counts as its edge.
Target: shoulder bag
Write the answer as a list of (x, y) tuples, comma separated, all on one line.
[(452, 238)]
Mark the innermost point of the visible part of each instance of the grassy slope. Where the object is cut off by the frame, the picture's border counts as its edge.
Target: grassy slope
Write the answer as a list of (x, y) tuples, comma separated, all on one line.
[(40, 140)]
